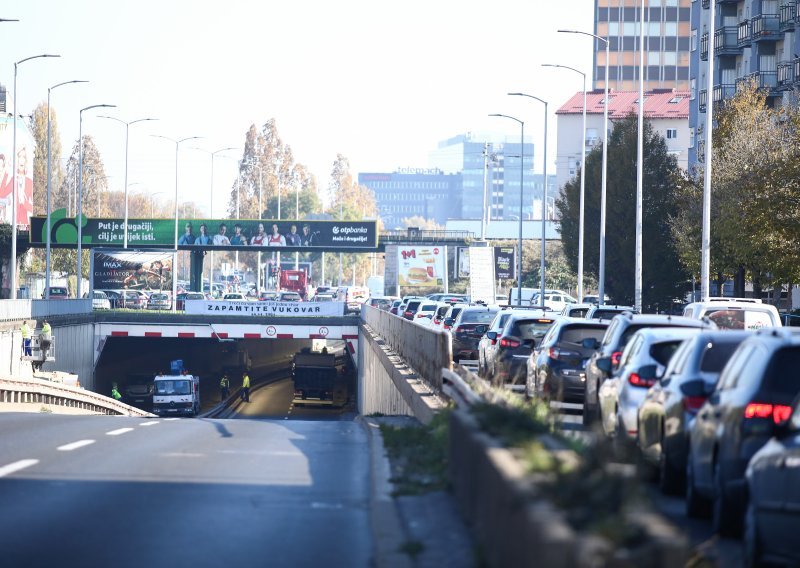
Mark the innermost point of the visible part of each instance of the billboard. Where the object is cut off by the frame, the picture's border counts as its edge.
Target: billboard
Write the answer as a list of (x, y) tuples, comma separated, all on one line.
[(421, 266), (210, 233), (463, 262), (481, 279), (131, 269), (25, 152), (504, 265)]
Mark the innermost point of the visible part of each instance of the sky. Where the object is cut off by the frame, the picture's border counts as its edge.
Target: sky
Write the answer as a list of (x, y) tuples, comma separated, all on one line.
[(379, 82)]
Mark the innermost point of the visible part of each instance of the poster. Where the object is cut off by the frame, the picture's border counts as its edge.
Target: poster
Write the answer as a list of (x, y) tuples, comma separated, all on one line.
[(463, 262), (268, 308), (25, 151), (481, 280), (504, 263), (226, 234), (421, 266), (131, 270)]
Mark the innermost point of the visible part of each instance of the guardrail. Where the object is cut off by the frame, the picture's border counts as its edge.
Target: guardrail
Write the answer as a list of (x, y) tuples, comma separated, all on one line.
[(425, 350), (47, 308), (40, 391), (15, 310)]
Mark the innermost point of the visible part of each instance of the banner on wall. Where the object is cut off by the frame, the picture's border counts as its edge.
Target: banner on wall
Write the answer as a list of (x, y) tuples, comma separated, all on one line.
[(268, 308), (463, 262), (504, 265), (131, 269), (421, 266)]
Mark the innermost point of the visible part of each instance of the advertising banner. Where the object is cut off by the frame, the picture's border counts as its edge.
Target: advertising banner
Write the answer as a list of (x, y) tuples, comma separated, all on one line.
[(463, 262), (25, 151), (481, 280), (421, 267), (131, 270), (209, 233), (504, 264), (269, 308)]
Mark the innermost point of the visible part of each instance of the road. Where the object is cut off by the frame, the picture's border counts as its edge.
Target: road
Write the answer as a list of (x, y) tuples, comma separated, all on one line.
[(275, 401), (119, 491)]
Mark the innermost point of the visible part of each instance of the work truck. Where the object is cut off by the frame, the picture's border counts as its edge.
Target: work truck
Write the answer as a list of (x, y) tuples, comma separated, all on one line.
[(316, 379), (177, 393), (294, 281)]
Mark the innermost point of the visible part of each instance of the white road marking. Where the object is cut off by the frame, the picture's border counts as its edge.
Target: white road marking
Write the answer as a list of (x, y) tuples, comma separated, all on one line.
[(168, 419), (74, 445), (183, 455), (119, 431), (16, 466), (149, 423)]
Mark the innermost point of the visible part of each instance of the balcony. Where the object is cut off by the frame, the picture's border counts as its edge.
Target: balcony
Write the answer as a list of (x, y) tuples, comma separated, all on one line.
[(702, 100), (744, 36), (788, 16), (706, 4), (726, 41), (722, 93), (786, 74), (704, 47), (767, 80), (766, 27)]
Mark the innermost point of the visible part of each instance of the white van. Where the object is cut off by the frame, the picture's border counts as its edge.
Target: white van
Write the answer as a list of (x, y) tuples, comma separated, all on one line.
[(527, 296), (735, 313), (176, 393)]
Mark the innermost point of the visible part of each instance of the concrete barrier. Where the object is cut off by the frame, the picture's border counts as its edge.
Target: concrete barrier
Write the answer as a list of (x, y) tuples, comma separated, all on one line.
[(52, 308)]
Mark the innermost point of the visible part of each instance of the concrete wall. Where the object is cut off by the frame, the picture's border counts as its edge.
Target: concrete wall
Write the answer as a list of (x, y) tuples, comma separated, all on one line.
[(74, 352), (11, 351), (377, 392)]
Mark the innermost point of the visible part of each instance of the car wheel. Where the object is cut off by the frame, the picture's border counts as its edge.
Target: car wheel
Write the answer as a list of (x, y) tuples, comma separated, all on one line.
[(725, 517), (752, 543), (668, 478), (696, 505)]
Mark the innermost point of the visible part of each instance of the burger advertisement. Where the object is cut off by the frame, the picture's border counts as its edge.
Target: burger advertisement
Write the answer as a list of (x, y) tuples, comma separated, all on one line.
[(421, 267)]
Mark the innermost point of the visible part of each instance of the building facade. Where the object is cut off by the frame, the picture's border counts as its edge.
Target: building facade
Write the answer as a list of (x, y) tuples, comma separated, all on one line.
[(667, 44), (754, 40), (667, 111)]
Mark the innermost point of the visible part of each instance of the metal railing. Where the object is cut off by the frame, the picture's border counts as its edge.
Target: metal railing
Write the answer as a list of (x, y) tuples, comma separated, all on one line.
[(788, 15), (426, 236), (15, 310), (786, 74), (744, 35), (703, 100), (763, 80), (45, 308), (723, 92), (726, 40), (766, 27), (704, 46)]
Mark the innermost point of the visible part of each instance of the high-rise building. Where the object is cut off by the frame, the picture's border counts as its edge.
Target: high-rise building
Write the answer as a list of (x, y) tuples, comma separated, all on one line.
[(667, 41)]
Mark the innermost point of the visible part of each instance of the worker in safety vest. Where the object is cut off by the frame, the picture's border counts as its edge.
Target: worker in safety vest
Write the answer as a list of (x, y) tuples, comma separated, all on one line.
[(45, 339), (115, 392), (26, 339), (224, 388), (245, 387)]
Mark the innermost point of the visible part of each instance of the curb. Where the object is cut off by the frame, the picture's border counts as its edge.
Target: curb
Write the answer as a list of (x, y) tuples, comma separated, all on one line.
[(388, 532)]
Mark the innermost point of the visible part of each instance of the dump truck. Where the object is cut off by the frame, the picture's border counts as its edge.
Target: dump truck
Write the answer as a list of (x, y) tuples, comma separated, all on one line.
[(294, 281), (317, 381)]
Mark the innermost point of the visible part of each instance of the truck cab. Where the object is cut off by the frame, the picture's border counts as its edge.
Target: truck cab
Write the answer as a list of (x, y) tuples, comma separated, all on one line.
[(177, 393)]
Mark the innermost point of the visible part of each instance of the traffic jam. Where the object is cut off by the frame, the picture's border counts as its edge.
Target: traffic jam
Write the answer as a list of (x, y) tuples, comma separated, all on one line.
[(708, 399)]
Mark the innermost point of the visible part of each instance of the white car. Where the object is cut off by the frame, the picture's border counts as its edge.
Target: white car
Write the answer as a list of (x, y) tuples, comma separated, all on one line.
[(100, 300), (556, 300), (642, 362), (234, 297), (735, 313), (426, 311)]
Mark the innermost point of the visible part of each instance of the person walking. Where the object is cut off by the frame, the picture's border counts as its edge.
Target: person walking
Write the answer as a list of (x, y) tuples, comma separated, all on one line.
[(224, 388), (245, 387), (26, 339)]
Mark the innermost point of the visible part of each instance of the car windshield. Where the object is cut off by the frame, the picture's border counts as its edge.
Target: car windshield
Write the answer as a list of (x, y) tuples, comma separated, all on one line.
[(716, 355), (605, 314), (58, 291), (427, 308), (740, 318), (500, 323), (478, 316), (179, 386), (455, 312), (531, 329), (579, 312), (576, 334), (662, 352)]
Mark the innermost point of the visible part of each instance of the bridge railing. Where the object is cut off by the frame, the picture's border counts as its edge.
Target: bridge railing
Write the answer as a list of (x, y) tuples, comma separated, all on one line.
[(46, 308), (15, 310), (425, 350)]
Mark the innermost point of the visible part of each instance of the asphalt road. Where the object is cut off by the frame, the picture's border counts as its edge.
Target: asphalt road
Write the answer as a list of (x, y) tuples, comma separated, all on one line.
[(115, 491), (275, 401)]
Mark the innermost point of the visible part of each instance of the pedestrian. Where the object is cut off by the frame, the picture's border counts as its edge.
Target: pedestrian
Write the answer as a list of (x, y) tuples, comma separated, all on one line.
[(26, 339), (245, 387), (115, 393), (224, 388)]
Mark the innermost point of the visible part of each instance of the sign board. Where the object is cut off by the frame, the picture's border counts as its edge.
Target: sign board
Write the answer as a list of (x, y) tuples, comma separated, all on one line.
[(463, 262), (131, 269), (481, 279), (25, 152), (504, 263), (421, 266), (269, 308), (251, 234)]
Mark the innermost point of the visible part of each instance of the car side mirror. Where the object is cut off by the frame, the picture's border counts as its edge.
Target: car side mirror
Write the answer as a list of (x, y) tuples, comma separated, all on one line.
[(481, 329), (648, 372), (697, 388), (529, 343), (449, 322), (491, 335), (604, 364), (590, 343)]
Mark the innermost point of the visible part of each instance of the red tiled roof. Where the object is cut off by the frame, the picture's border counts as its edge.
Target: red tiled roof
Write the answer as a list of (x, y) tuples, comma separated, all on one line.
[(623, 103)]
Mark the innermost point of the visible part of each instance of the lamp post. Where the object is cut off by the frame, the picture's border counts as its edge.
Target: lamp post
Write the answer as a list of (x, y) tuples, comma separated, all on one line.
[(601, 276), (174, 268), (153, 201), (79, 214), (705, 245), (637, 274), (127, 128), (544, 194), (581, 221), (47, 269), (521, 173), (14, 198)]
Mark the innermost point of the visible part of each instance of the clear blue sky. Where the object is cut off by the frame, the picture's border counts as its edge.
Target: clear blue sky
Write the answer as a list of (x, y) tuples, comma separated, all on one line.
[(380, 82)]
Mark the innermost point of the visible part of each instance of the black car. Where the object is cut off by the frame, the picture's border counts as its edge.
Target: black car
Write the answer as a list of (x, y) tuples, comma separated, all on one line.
[(670, 406), (620, 330), (521, 334), (468, 328), (755, 392), (557, 369)]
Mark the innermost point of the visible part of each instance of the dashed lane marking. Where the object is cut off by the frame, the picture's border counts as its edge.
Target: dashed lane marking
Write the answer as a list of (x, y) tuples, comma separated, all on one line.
[(119, 431), (149, 423), (16, 466), (168, 419), (74, 445)]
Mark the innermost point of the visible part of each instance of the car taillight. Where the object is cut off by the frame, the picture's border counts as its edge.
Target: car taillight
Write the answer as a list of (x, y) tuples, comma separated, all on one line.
[(637, 381), (615, 357), (506, 342), (556, 353), (408, 313), (493, 342), (778, 412), (692, 404)]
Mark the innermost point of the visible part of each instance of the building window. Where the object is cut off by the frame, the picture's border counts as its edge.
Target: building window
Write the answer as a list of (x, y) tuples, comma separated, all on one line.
[(691, 137), (692, 89), (694, 41), (672, 133)]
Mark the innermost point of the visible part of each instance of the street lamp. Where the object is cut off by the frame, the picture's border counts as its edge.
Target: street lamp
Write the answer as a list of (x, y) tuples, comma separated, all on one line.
[(601, 276), (637, 273), (544, 194), (153, 202), (521, 173), (79, 216), (127, 127), (49, 190), (583, 181), (14, 198), (705, 245), (174, 265)]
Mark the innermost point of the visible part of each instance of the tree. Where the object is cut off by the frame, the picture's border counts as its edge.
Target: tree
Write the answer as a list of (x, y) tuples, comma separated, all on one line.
[(664, 278), (422, 223)]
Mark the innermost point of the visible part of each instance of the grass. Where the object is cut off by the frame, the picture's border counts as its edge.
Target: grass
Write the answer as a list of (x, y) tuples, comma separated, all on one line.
[(418, 455)]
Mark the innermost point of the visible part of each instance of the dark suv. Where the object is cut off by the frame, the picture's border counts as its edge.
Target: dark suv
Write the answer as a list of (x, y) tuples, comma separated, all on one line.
[(620, 330), (520, 336), (557, 369), (468, 328)]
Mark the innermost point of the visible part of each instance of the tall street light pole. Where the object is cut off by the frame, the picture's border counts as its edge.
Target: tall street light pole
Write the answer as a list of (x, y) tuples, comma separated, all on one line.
[(14, 197), (127, 128), (544, 194), (581, 220), (521, 174), (79, 214), (47, 269), (601, 276), (174, 267), (705, 250), (637, 275)]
